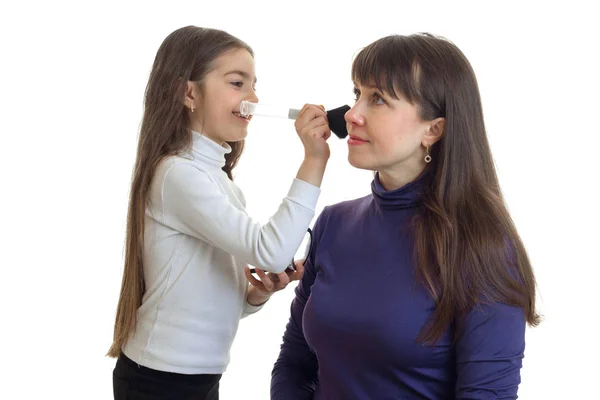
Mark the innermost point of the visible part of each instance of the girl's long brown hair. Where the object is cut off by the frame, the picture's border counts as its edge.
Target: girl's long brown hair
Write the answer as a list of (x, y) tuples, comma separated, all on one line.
[(467, 247), (185, 55)]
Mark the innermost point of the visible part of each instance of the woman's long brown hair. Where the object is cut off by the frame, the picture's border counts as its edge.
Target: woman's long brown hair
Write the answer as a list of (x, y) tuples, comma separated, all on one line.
[(187, 54), (467, 247)]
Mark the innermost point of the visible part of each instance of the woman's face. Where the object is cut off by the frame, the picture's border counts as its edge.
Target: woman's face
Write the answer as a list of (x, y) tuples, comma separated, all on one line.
[(385, 134)]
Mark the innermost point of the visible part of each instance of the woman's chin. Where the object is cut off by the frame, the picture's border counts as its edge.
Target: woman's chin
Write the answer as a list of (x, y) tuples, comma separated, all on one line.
[(357, 162)]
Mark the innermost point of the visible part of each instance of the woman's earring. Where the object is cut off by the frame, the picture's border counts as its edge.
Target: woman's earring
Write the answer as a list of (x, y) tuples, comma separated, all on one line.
[(427, 157), (192, 108)]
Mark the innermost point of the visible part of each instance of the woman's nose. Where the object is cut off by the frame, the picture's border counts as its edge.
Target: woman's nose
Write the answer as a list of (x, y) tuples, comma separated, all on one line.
[(353, 116)]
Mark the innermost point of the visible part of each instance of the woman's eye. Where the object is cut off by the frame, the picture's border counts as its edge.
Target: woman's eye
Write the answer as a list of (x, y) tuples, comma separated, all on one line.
[(377, 99), (356, 94), (237, 84)]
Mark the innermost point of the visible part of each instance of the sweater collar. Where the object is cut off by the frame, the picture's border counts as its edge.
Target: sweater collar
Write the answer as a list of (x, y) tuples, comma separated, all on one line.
[(407, 196), (208, 150)]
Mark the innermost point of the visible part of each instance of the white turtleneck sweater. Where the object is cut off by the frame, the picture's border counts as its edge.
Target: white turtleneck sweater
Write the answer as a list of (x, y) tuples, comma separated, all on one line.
[(198, 238)]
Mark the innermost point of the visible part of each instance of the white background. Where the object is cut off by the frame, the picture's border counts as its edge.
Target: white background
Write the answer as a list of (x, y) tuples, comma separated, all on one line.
[(72, 82)]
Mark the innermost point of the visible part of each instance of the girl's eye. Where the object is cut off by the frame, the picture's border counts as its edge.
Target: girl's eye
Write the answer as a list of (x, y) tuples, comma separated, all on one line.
[(237, 84), (356, 94)]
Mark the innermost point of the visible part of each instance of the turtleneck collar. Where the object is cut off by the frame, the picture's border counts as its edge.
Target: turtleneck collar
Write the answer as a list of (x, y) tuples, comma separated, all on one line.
[(208, 150), (407, 196)]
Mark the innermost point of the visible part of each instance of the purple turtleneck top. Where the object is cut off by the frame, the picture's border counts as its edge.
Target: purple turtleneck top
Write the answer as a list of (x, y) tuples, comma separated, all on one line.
[(359, 308)]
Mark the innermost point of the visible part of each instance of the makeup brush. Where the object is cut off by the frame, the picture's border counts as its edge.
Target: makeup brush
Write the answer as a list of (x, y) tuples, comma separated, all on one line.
[(337, 124)]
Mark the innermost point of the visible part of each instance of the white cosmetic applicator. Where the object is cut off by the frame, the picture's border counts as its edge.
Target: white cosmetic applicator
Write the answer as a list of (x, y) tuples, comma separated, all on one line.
[(248, 108)]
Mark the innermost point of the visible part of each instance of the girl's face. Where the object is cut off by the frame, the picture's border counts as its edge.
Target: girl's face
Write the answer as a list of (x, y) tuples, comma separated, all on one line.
[(386, 134), (217, 104)]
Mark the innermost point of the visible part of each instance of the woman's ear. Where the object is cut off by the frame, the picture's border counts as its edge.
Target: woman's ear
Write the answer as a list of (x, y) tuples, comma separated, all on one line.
[(435, 131)]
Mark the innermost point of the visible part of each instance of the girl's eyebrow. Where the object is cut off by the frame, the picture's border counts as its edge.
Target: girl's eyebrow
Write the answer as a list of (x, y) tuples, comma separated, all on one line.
[(243, 74)]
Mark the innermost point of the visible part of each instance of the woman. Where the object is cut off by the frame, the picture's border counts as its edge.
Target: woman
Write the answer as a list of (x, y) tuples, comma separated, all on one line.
[(422, 289)]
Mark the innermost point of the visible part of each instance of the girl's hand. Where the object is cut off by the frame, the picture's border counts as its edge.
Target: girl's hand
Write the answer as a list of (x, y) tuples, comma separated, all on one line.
[(261, 290), (313, 129)]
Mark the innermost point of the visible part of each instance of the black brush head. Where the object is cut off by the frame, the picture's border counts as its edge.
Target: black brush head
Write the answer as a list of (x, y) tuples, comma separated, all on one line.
[(337, 123)]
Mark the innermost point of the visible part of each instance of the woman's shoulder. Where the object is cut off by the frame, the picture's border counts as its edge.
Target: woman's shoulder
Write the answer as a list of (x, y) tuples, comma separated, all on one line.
[(344, 210), (346, 207)]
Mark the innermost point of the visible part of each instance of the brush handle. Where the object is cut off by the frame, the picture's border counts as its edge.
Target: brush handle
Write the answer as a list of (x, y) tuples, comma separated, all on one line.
[(293, 113)]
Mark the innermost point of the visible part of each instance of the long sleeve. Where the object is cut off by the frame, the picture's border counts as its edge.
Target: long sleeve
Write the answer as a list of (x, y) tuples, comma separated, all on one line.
[(249, 309), (294, 375), (193, 203), (489, 353)]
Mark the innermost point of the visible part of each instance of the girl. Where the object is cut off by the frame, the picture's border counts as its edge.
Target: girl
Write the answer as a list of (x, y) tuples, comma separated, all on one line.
[(421, 290), (189, 238)]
